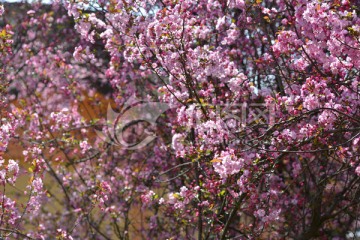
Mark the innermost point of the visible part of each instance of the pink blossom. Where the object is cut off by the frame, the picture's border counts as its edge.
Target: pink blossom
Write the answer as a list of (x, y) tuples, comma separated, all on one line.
[(357, 170)]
